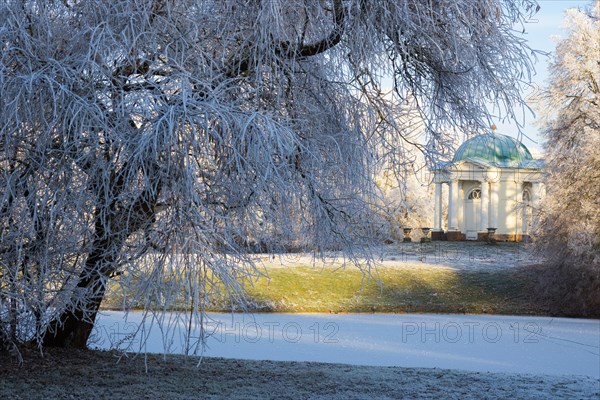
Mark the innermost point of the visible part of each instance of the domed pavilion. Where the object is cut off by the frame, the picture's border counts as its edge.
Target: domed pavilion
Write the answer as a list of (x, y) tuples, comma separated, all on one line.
[(494, 184)]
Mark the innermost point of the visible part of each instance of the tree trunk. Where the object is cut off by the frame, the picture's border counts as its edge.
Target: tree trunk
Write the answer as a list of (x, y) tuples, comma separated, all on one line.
[(73, 327)]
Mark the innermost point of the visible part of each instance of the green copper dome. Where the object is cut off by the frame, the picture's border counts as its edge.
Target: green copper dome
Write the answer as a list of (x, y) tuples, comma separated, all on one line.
[(495, 150)]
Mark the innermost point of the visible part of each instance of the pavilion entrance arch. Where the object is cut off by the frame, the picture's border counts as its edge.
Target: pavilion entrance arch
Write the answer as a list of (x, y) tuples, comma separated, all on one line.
[(472, 213)]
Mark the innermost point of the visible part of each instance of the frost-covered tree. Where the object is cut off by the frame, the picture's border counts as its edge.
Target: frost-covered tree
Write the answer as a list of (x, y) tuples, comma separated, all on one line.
[(406, 199), (569, 231), (146, 142)]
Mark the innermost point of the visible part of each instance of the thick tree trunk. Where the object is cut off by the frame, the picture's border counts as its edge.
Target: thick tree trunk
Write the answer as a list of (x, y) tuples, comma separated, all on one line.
[(73, 327)]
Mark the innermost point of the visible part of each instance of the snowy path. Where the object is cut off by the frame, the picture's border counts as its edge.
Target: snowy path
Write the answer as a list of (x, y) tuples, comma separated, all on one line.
[(452, 255), (535, 345)]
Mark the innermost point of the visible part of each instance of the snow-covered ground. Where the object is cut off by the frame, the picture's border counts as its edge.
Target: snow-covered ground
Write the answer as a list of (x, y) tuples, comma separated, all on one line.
[(532, 345)]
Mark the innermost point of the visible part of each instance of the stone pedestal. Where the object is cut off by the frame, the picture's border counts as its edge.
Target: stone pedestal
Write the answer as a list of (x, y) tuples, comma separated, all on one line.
[(438, 235), (491, 235), (455, 236)]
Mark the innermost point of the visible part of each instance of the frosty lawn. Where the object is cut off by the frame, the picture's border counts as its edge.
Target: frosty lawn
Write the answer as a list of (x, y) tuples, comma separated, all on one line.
[(432, 290), (77, 374), (435, 278), (308, 289)]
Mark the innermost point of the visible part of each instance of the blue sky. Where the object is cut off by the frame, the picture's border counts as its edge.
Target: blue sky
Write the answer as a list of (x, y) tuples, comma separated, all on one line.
[(548, 24)]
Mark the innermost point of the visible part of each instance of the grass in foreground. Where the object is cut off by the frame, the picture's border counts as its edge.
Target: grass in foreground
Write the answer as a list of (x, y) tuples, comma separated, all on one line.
[(426, 290), (73, 374), (395, 290)]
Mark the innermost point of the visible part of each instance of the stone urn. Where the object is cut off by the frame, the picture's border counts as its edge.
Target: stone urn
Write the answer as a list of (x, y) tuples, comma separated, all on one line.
[(425, 238), (407, 232)]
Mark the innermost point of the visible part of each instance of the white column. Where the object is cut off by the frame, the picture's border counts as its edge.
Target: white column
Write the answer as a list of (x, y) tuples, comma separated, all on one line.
[(536, 197), (493, 210), (524, 207), (484, 222), (536, 194), (525, 219), (460, 213), (437, 213), (453, 206)]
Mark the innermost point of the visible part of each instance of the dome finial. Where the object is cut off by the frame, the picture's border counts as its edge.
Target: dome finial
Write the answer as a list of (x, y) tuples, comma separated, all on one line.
[(493, 127)]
